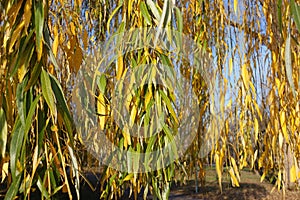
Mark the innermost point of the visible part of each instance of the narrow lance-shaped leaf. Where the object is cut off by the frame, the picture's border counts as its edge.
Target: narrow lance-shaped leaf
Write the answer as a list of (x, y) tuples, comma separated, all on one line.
[(28, 121), (235, 6), (3, 132), (154, 9), (164, 19), (111, 16), (295, 9), (20, 102), (62, 107), (15, 146), (13, 189), (145, 13), (288, 64), (47, 92), (39, 26)]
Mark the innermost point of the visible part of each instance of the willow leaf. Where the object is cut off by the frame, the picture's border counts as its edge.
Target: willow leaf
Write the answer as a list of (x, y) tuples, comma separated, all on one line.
[(13, 189), (15, 146), (295, 9), (62, 106), (39, 26), (47, 91), (288, 64), (3, 132)]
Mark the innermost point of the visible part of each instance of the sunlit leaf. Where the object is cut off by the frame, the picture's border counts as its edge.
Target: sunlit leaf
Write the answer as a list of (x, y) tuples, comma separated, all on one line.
[(235, 6), (101, 110), (3, 132), (16, 35), (233, 178), (145, 13), (154, 9)]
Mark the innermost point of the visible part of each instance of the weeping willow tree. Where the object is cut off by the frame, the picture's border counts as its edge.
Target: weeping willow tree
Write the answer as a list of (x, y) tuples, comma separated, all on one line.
[(253, 47)]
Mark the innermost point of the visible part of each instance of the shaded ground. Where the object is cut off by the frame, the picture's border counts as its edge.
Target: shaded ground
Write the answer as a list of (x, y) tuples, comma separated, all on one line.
[(250, 188)]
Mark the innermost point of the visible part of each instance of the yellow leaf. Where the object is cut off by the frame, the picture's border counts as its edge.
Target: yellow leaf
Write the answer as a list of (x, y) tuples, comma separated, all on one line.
[(16, 35), (13, 12), (73, 29), (101, 110), (128, 101), (219, 170), (233, 178), (279, 180), (78, 3), (245, 76), (256, 129), (77, 59), (21, 72), (55, 45), (280, 138), (222, 102), (128, 177), (262, 178), (293, 174), (133, 115), (27, 13), (283, 126), (130, 7), (120, 67), (85, 39), (126, 135), (236, 171), (235, 6), (257, 110), (148, 97), (4, 171)]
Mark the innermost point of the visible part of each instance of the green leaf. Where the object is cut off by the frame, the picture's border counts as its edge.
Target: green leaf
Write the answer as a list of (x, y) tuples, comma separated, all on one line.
[(30, 114), (3, 132), (39, 26), (20, 101), (154, 9), (50, 53), (164, 19), (102, 83), (179, 20), (149, 150), (171, 144), (42, 124), (145, 13), (13, 189), (25, 52), (47, 92), (76, 170), (295, 9), (42, 188), (15, 146), (168, 104), (34, 75), (62, 107)]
